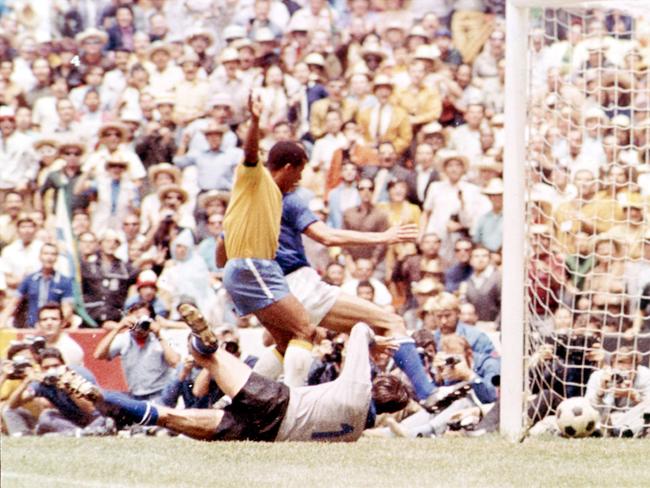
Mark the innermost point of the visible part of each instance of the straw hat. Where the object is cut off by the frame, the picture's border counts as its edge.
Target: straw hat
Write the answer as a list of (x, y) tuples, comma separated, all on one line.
[(199, 32), (220, 100), (210, 196), (113, 126), (430, 52), (382, 80), (158, 46), (233, 31), (315, 58), (117, 159), (264, 35), (90, 33), (46, 141), (173, 188), (372, 49), (426, 286), (631, 200), (228, 55), (165, 168), (490, 164), (70, 142), (448, 155), (494, 187)]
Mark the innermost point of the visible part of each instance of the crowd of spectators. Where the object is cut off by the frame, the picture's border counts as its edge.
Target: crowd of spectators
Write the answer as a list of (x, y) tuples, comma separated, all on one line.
[(121, 123)]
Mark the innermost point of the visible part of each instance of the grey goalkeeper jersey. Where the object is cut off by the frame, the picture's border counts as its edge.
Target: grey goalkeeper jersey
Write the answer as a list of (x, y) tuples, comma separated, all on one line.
[(336, 411)]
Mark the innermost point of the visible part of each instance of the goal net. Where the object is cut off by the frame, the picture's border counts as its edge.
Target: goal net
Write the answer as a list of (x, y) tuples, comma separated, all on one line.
[(587, 193)]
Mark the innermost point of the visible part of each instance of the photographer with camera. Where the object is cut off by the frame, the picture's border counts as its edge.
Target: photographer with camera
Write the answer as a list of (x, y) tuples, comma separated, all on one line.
[(60, 412), (565, 362), (327, 367), (622, 393), (148, 361)]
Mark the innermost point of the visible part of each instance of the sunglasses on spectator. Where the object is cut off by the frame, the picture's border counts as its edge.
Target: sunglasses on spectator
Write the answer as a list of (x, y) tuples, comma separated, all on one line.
[(365, 187), (112, 134), (131, 224), (2, 119), (463, 249), (93, 41), (171, 196), (72, 153)]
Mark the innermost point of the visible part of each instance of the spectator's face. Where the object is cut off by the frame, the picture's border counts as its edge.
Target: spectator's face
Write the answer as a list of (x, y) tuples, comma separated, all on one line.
[(26, 231), (112, 139), (115, 171), (91, 101), (49, 363), (87, 244), (41, 70), (383, 93), (454, 169), (160, 58), (584, 182), (474, 115), (274, 76), (397, 192), (366, 292), (246, 58), (50, 323), (124, 17), (349, 173), (72, 157), (147, 293), (447, 319), (92, 45), (387, 156), (335, 274), (480, 259), (7, 126), (182, 252), (417, 73), (66, 111), (333, 123), (282, 132), (190, 69), (220, 113), (359, 85), (121, 60), (108, 246), (262, 9), (424, 155), (214, 140), (48, 257), (563, 319), (464, 75), (13, 204), (365, 188), (135, 251), (131, 226), (6, 69), (430, 246), (172, 200), (364, 269), (215, 224), (463, 251), (468, 314)]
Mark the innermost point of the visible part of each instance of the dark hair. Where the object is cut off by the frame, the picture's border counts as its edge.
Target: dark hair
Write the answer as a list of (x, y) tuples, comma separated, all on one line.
[(389, 393), (15, 347), (365, 284), (49, 353), (140, 305), (50, 244), (424, 338), (285, 152), (50, 306)]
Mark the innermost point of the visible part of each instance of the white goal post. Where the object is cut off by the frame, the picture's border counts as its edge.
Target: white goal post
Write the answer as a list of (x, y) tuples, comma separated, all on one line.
[(514, 315)]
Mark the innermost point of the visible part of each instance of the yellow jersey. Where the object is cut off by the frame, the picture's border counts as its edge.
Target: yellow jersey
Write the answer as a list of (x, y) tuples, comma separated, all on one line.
[(252, 221)]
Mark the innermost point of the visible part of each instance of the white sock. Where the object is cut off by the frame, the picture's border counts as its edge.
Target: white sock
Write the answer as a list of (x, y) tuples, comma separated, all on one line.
[(297, 361), (269, 364)]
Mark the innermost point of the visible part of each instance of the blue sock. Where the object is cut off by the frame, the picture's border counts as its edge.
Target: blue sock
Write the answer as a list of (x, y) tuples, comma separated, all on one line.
[(201, 348), (136, 411), (408, 360)]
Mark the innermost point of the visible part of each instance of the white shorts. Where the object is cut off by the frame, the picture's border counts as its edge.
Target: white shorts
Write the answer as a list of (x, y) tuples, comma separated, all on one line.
[(316, 296)]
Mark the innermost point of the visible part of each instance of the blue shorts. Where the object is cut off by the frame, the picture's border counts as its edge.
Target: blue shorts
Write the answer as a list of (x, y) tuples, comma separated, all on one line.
[(254, 284)]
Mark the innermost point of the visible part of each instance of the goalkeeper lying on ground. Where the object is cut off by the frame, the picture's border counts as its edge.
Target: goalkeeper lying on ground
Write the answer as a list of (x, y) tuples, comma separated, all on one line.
[(267, 410)]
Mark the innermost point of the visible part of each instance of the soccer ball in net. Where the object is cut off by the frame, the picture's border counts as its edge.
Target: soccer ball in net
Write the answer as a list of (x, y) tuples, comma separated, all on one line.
[(577, 418)]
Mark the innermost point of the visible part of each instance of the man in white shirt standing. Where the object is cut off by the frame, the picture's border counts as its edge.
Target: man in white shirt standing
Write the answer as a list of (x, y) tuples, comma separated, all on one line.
[(18, 163)]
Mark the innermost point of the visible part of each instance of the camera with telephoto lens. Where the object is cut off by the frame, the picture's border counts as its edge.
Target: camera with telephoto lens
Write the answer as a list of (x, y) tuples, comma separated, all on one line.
[(143, 324), (453, 359), (36, 344), (620, 376), (336, 356), (571, 347), (19, 365)]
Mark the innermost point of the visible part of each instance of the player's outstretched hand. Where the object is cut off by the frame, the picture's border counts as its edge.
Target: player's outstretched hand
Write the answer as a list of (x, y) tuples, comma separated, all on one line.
[(402, 233), (387, 345), (255, 104)]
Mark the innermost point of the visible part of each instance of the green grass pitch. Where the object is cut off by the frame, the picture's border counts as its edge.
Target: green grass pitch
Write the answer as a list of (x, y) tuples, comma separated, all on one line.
[(454, 462)]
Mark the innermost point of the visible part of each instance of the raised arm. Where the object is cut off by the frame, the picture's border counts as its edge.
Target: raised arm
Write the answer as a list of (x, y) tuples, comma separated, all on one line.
[(328, 236), (252, 143)]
